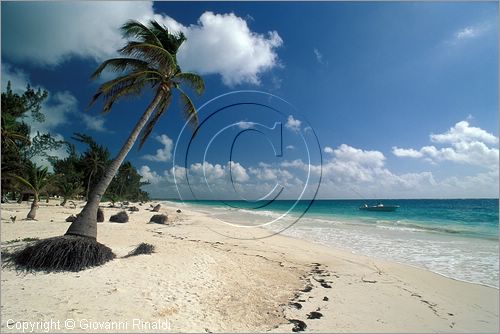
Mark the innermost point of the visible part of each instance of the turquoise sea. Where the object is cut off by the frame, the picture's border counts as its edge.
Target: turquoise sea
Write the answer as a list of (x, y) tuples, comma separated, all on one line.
[(457, 238)]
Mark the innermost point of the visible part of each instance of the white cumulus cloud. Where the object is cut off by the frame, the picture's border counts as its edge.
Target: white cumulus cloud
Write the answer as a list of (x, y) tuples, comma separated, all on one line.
[(162, 154), (149, 175), (361, 157), (328, 150), (95, 123), (467, 145), (224, 44), (293, 124), (49, 33), (348, 173), (239, 173), (463, 132), (406, 152)]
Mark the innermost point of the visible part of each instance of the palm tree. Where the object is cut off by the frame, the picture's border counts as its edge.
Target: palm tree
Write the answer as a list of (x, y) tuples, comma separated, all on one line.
[(68, 189), (10, 135), (149, 61), (94, 160), (37, 180)]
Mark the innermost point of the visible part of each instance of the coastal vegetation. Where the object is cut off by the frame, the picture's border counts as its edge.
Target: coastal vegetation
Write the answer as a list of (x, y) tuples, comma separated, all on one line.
[(148, 62), (37, 180), (67, 178)]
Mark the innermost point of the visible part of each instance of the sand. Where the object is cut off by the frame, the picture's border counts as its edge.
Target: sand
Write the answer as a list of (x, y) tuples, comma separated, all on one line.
[(201, 280)]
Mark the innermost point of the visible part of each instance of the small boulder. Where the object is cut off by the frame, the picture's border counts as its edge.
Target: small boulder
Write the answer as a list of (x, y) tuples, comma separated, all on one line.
[(71, 219), (100, 215), (157, 208), (126, 203), (178, 211), (314, 315), (159, 219), (133, 209), (120, 217)]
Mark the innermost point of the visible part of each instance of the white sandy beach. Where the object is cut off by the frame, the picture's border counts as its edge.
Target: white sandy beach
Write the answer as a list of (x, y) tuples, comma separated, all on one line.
[(201, 281)]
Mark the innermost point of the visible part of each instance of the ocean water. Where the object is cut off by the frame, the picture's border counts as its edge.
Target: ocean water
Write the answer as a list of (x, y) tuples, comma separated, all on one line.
[(457, 238)]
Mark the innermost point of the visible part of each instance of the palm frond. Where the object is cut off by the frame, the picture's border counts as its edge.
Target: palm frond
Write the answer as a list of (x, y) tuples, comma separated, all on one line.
[(136, 29), (38, 178), (191, 79), (149, 57), (9, 137), (160, 110), (188, 109), (120, 65), (24, 181), (41, 177), (155, 55), (170, 41), (118, 85), (133, 89)]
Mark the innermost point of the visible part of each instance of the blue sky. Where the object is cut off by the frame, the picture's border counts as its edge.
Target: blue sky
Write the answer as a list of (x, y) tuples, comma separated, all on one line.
[(403, 97)]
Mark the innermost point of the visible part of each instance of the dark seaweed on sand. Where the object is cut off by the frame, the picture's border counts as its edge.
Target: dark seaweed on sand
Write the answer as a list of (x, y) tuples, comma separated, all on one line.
[(142, 248)]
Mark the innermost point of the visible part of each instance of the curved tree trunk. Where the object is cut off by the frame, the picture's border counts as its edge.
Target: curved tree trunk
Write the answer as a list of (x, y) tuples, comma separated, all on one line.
[(86, 223), (65, 199), (34, 206)]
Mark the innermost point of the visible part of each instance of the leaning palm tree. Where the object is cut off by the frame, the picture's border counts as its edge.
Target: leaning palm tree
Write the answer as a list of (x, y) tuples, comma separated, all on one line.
[(149, 61), (38, 179)]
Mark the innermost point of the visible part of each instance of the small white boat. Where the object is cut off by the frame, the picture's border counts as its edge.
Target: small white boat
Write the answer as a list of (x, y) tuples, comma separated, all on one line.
[(379, 207)]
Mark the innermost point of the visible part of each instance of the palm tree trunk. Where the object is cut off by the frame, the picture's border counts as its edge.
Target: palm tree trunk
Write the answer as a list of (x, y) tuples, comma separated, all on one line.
[(65, 199), (86, 223), (34, 206)]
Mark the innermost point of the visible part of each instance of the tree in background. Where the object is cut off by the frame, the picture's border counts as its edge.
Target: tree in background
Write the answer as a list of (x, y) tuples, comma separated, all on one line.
[(15, 133), (126, 185), (68, 175), (37, 180), (94, 161)]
